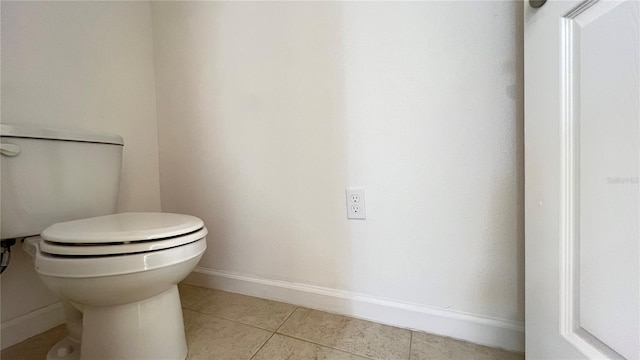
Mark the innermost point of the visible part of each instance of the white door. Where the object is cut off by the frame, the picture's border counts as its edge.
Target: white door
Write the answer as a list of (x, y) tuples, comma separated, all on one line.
[(582, 112)]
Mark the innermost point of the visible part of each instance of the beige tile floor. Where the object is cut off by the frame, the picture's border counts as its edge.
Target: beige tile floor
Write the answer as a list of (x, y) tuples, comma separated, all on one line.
[(223, 325)]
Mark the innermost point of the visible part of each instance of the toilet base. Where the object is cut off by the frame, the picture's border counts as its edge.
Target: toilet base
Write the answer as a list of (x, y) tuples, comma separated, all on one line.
[(149, 329), (65, 349)]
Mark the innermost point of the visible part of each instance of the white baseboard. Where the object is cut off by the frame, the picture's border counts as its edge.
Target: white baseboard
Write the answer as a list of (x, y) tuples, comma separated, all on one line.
[(473, 328), (30, 324)]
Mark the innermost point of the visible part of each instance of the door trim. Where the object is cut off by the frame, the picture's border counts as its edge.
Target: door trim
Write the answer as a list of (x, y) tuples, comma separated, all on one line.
[(570, 327)]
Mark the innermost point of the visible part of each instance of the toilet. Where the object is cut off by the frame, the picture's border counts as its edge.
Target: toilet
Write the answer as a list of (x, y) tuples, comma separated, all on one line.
[(116, 274)]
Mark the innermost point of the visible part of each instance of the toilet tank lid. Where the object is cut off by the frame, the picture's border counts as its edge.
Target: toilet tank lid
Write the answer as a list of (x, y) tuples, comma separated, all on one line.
[(34, 132), (122, 227)]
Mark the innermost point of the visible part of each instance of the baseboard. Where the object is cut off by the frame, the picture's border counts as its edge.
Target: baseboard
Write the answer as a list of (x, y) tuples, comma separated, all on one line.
[(23, 327), (473, 328)]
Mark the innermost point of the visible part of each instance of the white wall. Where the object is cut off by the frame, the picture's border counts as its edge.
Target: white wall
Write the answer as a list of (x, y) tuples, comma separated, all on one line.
[(267, 111), (79, 65)]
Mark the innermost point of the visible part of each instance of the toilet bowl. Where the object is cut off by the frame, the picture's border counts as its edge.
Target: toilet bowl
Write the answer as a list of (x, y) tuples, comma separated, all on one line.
[(116, 274), (117, 277)]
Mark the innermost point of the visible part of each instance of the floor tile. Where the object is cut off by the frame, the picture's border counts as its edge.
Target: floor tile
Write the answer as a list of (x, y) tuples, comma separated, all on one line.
[(190, 319), (284, 347), (355, 336), (426, 346), (209, 337), (35, 348), (232, 332), (191, 296), (262, 313)]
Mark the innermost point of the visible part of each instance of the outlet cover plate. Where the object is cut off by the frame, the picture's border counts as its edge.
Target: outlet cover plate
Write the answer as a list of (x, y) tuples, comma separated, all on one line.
[(355, 204)]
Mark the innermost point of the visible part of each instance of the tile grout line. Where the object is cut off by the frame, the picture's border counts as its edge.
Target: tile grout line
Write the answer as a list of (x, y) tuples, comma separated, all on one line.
[(201, 297), (232, 320), (261, 346), (276, 331), (201, 304), (236, 321), (410, 343), (241, 323), (273, 333), (311, 342), (285, 320), (296, 308), (342, 350), (326, 346)]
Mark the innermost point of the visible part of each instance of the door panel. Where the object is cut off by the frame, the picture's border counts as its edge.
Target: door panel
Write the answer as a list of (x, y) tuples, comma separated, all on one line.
[(607, 179), (582, 112)]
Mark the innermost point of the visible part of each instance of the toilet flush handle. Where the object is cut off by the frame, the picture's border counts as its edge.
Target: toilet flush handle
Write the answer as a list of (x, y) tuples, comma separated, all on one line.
[(9, 149)]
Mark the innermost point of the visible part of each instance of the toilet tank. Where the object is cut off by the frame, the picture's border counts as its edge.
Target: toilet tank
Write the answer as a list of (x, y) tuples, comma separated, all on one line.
[(52, 175)]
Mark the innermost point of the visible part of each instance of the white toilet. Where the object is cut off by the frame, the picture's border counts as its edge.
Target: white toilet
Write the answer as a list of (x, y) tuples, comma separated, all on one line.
[(116, 274)]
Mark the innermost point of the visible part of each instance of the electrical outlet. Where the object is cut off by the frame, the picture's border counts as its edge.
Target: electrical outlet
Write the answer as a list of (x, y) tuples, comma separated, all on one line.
[(355, 204)]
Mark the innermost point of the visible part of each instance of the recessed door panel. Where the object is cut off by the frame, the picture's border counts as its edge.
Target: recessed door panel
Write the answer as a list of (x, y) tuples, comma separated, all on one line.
[(608, 95)]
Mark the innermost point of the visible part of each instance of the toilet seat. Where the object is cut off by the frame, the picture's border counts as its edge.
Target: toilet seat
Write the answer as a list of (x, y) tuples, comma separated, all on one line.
[(54, 248), (102, 266), (121, 234)]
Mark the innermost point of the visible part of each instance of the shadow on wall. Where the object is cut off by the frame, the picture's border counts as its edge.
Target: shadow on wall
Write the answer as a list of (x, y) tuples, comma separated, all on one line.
[(506, 210), (252, 134), (21, 288), (267, 111), (519, 160)]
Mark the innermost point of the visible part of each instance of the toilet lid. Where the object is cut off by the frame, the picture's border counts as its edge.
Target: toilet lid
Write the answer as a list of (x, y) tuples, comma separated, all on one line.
[(121, 228), (123, 233)]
